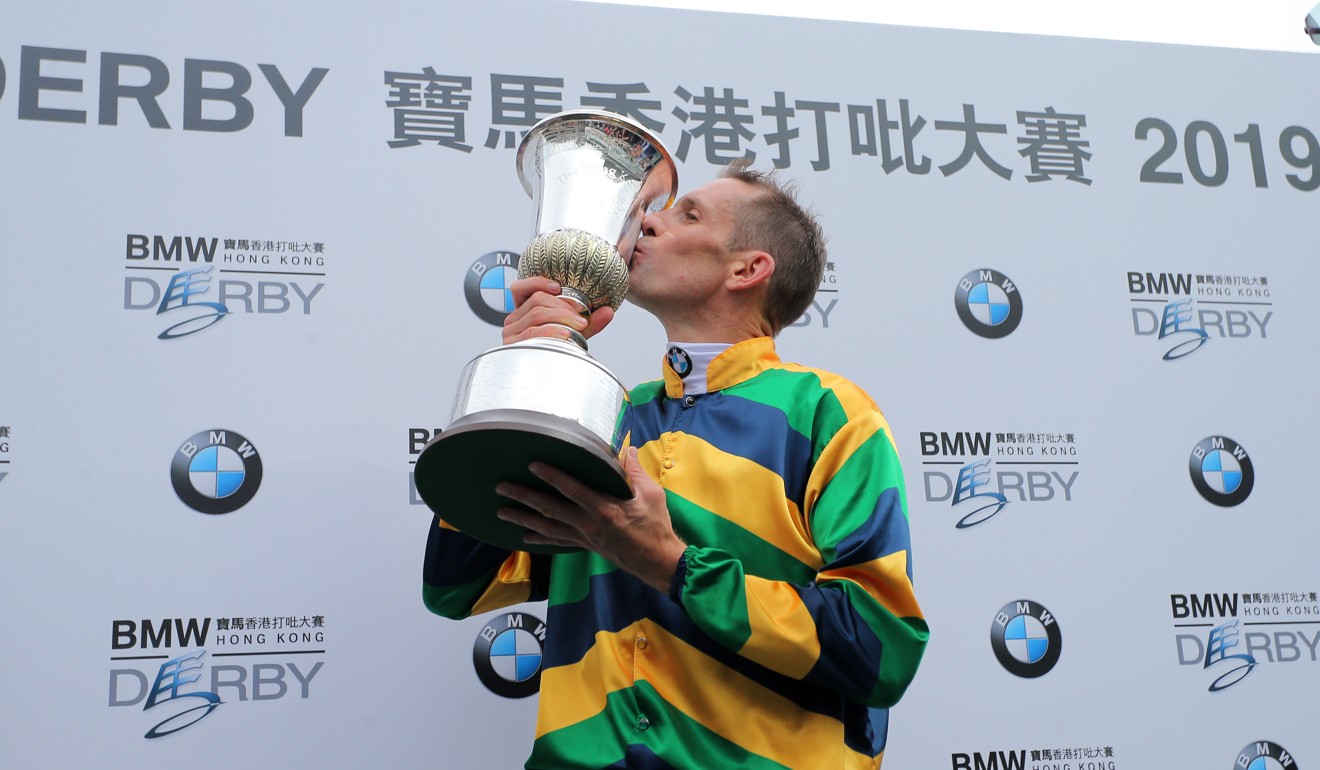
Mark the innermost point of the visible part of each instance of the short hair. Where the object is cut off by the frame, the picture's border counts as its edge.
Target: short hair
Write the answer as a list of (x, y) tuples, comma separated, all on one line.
[(776, 223)]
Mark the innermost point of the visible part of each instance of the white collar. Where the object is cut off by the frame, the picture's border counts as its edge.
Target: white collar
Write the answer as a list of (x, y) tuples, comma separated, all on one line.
[(689, 361)]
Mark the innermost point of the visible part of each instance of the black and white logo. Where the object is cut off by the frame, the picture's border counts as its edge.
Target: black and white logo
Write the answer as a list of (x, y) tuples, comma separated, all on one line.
[(508, 654), (1265, 755), (1221, 471), (988, 303), (1026, 639), (216, 471), (679, 361), (487, 286)]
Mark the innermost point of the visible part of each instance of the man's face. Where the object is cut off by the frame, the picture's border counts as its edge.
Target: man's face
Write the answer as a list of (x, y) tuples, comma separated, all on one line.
[(682, 258)]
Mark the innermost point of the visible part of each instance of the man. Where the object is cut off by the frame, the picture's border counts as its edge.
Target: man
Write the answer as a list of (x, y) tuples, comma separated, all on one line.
[(751, 606)]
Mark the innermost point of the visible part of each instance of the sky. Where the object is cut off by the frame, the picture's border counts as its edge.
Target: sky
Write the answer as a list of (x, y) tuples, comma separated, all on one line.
[(1271, 25)]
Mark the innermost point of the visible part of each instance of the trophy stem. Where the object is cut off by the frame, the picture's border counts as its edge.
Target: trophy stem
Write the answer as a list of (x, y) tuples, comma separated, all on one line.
[(578, 298), (584, 309)]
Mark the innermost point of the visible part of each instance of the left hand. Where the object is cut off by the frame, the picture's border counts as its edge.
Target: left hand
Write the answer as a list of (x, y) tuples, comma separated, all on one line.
[(636, 535), (539, 311)]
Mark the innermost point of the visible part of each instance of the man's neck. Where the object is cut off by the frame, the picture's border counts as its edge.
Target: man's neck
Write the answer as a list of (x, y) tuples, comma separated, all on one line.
[(729, 325)]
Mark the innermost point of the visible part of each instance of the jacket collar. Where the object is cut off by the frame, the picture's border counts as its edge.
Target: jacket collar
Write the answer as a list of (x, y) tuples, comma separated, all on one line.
[(741, 362)]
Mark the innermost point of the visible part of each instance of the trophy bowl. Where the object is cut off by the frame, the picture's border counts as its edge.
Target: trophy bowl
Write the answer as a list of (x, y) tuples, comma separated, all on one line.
[(592, 176)]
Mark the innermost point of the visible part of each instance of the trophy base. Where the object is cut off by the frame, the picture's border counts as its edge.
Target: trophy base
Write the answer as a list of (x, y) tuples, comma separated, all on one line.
[(457, 471)]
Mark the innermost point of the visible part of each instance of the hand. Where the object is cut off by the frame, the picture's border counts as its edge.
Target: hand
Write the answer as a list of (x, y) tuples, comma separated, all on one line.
[(541, 312), (636, 535)]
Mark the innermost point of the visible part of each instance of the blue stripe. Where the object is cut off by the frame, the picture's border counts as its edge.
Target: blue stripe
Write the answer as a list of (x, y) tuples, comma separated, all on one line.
[(737, 426), (453, 558), (866, 733), (639, 757), (614, 601), (849, 648), (617, 599), (883, 533)]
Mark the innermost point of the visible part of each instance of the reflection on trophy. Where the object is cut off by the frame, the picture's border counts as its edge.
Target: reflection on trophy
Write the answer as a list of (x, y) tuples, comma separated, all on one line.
[(593, 176)]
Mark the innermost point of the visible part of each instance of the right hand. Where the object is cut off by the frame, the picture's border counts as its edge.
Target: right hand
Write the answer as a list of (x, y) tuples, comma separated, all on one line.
[(541, 312)]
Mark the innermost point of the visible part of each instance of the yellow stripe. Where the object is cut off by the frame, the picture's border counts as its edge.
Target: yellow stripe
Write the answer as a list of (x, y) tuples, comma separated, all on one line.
[(886, 580), (570, 694), (747, 487), (746, 713), (783, 633), (512, 584)]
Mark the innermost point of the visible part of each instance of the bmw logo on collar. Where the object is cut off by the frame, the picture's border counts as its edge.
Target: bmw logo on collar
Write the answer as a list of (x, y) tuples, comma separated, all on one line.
[(679, 361)]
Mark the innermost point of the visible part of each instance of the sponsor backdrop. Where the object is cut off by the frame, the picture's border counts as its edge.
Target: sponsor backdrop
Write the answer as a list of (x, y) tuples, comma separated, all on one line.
[(248, 249)]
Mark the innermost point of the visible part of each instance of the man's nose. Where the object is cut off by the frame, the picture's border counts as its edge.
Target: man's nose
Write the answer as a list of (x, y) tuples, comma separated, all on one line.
[(652, 224)]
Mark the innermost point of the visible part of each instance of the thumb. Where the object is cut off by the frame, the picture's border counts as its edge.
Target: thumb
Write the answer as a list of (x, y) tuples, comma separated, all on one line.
[(632, 468), (600, 318)]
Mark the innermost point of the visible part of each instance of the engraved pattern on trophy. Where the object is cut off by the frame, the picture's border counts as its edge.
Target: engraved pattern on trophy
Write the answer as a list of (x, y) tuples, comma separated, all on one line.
[(589, 268)]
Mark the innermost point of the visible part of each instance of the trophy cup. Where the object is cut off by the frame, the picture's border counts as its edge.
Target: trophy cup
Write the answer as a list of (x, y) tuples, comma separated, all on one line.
[(592, 176)]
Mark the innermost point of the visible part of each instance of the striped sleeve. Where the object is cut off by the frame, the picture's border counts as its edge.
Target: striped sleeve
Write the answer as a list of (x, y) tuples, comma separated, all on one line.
[(856, 629), (463, 576)]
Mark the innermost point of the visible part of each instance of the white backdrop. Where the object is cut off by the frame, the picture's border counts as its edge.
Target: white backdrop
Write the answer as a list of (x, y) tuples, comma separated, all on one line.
[(127, 127)]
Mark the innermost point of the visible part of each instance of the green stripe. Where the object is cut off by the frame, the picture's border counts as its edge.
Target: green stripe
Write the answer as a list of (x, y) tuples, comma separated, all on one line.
[(672, 735), (583, 741), (647, 392), (454, 601), (682, 741), (571, 573), (849, 497), (698, 526), (715, 596), (904, 640)]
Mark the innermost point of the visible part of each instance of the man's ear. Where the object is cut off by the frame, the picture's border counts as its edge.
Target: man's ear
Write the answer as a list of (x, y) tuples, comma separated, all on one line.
[(750, 269)]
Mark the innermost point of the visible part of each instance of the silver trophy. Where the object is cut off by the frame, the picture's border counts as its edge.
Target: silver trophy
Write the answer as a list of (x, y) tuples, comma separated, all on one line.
[(592, 176)]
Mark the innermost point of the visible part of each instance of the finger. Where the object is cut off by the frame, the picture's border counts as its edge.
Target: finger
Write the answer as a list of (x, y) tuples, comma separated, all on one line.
[(638, 479), (569, 487), (540, 503), (542, 315), (600, 318), (530, 520), (540, 530), (539, 305), (532, 538), (524, 288), (556, 331)]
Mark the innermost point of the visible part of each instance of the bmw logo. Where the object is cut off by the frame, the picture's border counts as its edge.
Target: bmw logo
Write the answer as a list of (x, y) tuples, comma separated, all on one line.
[(1026, 639), (487, 286), (988, 303), (1221, 471), (508, 655), (1265, 755), (216, 471), (679, 361)]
